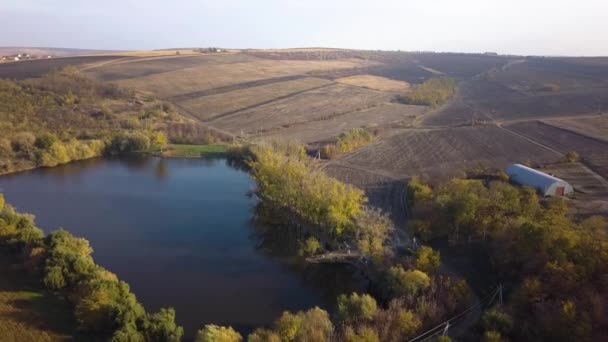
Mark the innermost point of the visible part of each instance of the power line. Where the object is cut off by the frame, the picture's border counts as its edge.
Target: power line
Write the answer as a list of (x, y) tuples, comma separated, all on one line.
[(437, 328)]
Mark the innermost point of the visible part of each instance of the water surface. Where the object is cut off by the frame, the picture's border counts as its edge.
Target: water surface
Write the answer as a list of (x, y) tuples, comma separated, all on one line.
[(180, 232)]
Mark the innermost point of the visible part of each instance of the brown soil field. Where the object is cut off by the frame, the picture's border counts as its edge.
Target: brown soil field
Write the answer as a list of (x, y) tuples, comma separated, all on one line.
[(447, 152), (594, 152), (383, 117), (319, 104), (208, 76), (594, 127), (375, 83), (211, 106), (491, 101), (38, 67)]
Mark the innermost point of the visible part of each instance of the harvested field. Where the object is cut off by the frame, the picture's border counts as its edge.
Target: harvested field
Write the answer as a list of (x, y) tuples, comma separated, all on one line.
[(383, 117), (318, 104), (375, 83), (594, 152), (489, 101), (211, 106), (209, 76), (140, 67), (594, 127), (447, 152), (580, 178), (39, 67)]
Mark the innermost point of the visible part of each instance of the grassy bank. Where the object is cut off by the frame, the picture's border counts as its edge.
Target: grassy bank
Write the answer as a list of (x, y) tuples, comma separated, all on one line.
[(27, 311), (195, 151)]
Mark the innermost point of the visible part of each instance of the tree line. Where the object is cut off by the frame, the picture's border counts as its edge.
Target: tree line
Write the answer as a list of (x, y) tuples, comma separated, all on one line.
[(555, 265), (347, 142), (433, 92)]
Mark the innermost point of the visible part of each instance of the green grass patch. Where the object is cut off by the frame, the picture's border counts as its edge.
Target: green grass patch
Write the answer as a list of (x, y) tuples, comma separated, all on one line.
[(195, 151)]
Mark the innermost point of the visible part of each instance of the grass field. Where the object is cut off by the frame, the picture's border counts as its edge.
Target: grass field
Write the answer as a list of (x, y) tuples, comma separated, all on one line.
[(27, 312), (194, 151)]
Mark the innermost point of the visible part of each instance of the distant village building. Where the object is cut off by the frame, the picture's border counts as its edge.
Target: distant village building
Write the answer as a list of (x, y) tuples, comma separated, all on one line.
[(546, 184)]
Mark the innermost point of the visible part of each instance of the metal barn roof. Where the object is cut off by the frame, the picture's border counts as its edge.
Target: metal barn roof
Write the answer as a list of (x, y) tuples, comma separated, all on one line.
[(545, 183)]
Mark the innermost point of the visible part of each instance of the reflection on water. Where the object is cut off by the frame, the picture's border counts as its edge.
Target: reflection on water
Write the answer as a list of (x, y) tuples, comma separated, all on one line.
[(182, 233)]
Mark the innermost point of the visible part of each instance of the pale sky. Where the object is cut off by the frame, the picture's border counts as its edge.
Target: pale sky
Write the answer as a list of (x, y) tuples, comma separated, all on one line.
[(528, 27)]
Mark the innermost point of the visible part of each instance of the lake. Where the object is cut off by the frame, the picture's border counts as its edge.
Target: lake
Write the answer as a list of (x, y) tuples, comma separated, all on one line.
[(182, 233)]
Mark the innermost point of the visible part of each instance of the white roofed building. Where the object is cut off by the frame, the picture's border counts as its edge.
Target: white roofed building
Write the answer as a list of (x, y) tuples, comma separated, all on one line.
[(546, 184)]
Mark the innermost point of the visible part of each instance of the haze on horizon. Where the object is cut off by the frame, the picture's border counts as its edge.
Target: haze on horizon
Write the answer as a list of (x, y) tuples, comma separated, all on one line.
[(540, 27)]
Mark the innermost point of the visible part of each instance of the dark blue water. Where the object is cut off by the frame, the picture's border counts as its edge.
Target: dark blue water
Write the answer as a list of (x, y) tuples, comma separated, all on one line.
[(180, 232)]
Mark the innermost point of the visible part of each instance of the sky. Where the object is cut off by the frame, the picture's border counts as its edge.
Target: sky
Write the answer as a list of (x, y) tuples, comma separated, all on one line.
[(525, 27)]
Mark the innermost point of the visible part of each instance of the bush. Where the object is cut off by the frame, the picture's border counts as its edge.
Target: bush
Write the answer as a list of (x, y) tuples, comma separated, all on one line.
[(23, 143), (309, 247), (433, 92), (571, 157)]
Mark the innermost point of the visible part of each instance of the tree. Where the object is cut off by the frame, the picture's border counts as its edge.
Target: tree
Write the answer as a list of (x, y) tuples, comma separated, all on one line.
[(215, 333), (361, 334), (372, 228), (107, 306), (161, 327), (403, 283), (497, 320), (356, 308), (312, 325), (427, 259), (263, 335), (158, 141), (311, 246)]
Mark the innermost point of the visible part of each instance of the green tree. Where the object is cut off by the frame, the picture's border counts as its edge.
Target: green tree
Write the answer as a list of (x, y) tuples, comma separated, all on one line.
[(215, 333), (158, 141), (161, 327), (263, 335), (403, 283), (309, 247), (361, 334), (356, 308), (427, 259)]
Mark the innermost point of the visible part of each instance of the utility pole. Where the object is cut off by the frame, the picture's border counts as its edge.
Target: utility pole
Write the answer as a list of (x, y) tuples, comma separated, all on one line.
[(445, 330), (500, 294)]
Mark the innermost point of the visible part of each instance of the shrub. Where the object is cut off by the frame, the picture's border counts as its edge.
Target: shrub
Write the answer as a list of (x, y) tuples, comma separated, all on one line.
[(571, 157), (309, 247), (23, 143), (433, 92)]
